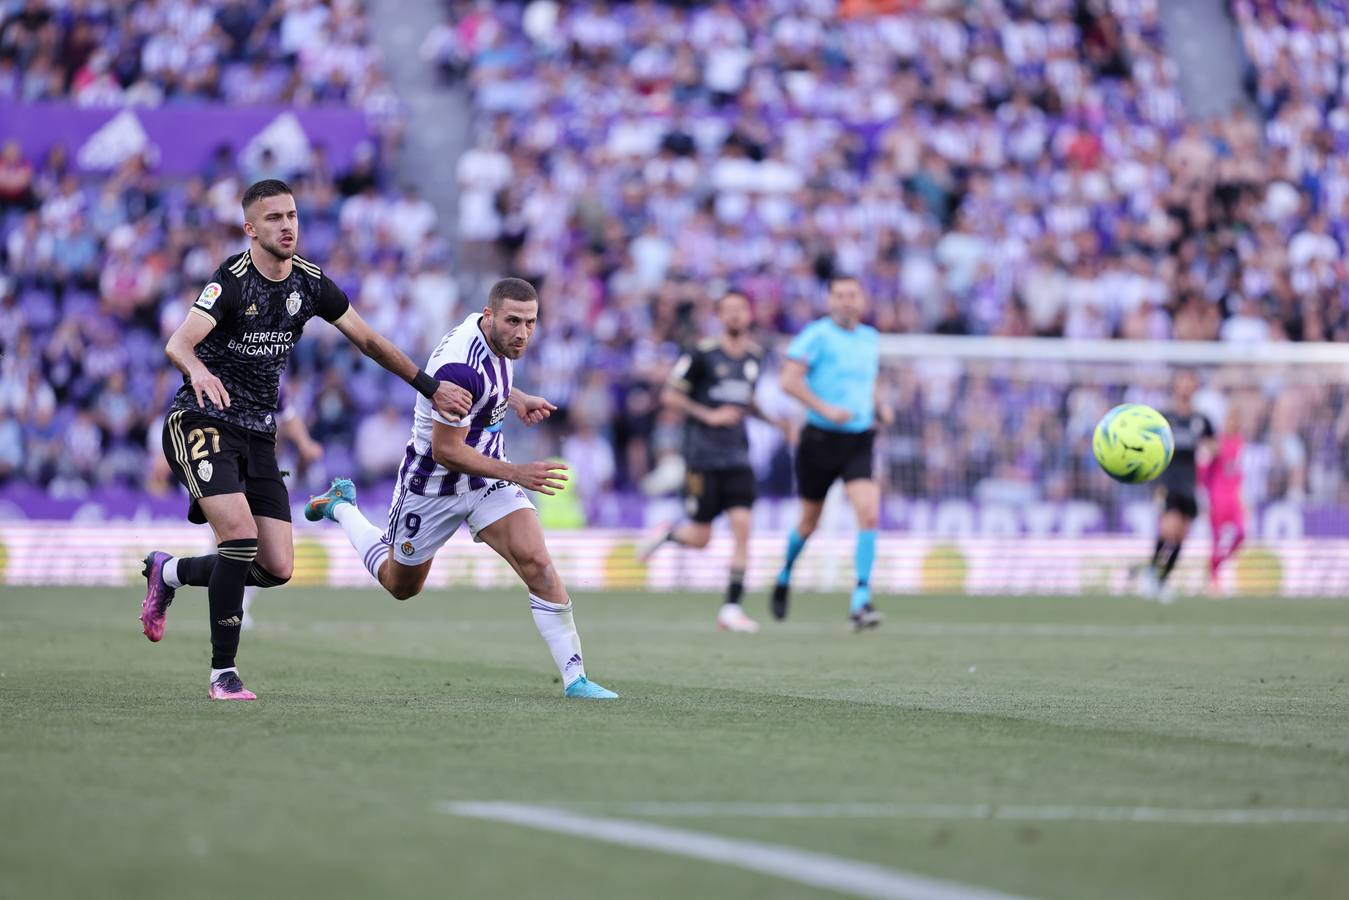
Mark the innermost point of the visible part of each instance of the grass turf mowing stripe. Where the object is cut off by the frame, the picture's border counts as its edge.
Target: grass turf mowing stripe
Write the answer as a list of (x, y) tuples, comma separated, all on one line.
[(833, 873), (905, 629), (999, 812)]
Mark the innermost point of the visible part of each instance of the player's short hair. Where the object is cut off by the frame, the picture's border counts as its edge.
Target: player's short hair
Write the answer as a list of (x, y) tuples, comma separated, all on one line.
[(261, 190), (842, 276), (734, 292), (511, 289)]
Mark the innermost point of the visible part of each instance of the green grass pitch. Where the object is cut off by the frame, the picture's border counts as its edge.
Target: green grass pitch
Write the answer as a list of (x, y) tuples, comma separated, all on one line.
[(121, 780)]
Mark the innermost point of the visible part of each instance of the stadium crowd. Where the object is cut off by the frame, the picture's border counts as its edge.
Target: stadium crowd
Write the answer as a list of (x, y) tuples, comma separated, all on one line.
[(148, 52), (1020, 168), (990, 168)]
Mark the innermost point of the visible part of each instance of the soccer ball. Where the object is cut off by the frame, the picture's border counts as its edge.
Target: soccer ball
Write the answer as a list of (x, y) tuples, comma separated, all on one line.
[(1133, 443)]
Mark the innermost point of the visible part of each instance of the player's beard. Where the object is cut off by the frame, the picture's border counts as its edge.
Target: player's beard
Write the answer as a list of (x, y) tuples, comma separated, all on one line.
[(501, 348), (277, 250)]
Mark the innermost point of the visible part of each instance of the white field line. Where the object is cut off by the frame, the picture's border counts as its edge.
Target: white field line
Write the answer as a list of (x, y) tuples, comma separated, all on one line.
[(987, 811), (834, 873)]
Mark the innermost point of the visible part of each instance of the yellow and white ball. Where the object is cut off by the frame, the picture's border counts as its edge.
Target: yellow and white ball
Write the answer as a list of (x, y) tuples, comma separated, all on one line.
[(1133, 443)]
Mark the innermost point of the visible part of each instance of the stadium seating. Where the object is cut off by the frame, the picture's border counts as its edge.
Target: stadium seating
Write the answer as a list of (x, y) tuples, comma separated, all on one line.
[(1014, 172)]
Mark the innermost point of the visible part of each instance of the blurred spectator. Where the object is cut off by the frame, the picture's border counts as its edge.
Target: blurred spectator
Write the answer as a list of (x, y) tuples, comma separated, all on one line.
[(591, 460), (380, 442)]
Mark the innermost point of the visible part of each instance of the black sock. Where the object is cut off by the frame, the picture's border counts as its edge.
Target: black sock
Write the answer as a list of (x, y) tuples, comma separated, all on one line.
[(736, 589), (1157, 554), (259, 576), (225, 594), (196, 571), (1169, 562)]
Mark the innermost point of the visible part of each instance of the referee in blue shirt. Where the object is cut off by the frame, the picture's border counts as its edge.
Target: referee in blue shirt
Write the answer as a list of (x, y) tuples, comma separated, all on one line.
[(831, 368)]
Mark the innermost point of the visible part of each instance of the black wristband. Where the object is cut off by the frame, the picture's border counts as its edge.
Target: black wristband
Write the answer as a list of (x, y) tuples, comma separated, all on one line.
[(425, 384)]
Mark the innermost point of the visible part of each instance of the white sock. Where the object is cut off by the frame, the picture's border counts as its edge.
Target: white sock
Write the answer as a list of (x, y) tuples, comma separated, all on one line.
[(366, 538), (555, 624), (170, 573), (216, 673)]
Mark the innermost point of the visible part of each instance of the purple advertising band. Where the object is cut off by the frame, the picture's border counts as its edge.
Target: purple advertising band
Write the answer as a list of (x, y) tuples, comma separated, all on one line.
[(182, 140)]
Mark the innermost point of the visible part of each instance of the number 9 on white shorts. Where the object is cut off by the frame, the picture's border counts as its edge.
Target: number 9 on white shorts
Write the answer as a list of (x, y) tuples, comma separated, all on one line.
[(420, 525)]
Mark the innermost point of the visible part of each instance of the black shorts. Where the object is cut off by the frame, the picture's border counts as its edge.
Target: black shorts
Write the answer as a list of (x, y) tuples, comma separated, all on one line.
[(823, 457), (1182, 502), (210, 457), (710, 492)]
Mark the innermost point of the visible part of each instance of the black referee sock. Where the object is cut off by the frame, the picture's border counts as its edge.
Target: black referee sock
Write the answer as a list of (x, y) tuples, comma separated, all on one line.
[(225, 594), (736, 589)]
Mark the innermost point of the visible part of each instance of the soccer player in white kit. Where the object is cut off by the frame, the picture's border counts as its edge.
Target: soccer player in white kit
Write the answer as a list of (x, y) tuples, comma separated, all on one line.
[(456, 471)]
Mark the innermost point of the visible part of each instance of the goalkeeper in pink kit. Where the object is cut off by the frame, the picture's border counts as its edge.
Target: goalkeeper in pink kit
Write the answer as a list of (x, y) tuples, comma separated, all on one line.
[(1221, 478)]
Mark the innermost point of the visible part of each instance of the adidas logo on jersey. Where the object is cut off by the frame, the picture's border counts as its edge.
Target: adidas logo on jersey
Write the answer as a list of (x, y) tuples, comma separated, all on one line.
[(252, 310)]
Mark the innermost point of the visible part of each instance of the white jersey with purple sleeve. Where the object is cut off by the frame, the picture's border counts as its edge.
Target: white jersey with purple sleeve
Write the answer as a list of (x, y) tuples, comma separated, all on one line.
[(464, 358)]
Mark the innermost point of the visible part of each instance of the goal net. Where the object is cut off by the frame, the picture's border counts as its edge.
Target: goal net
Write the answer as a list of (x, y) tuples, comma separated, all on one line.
[(990, 485)]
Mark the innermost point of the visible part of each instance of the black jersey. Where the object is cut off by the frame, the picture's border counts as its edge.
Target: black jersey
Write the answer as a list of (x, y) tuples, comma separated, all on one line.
[(712, 377), (257, 323), (1188, 430)]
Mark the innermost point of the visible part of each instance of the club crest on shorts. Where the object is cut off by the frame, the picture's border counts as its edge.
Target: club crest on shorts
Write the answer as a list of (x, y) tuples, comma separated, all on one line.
[(205, 470), (407, 548), (293, 302)]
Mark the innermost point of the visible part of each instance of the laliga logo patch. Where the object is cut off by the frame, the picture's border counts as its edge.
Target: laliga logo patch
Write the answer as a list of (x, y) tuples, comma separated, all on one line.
[(407, 548), (205, 470), (293, 302), (209, 295)]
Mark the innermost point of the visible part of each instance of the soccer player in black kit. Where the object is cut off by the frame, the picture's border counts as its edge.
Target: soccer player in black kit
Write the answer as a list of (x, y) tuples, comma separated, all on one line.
[(220, 433), (713, 386), (1193, 433)]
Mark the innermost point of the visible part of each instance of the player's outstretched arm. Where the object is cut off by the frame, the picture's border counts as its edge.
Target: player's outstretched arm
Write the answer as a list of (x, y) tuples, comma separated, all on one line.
[(449, 399), (449, 450), (794, 383), (182, 352), (531, 409)]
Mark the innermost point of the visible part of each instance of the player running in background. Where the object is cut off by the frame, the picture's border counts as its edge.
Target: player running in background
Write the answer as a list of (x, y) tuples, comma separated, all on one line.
[(1193, 434), (220, 434), (1221, 478), (456, 471), (832, 368), (713, 386)]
